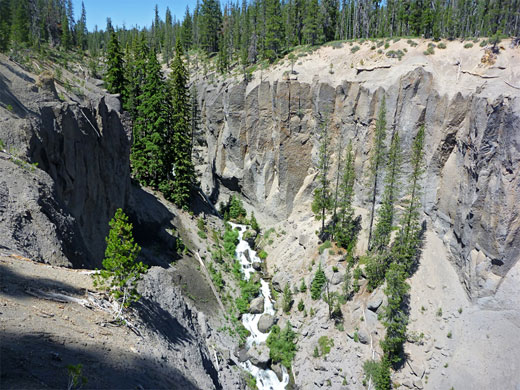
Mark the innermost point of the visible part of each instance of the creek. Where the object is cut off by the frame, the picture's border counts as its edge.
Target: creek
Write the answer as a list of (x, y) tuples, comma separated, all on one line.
[(266, 379)]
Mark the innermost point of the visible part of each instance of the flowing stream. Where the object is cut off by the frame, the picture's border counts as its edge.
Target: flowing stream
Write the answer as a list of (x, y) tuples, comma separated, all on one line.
[(265, 379)]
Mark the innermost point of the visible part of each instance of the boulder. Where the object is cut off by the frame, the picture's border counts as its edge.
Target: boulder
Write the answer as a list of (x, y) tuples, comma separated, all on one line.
[(363, 336), (250, 237), (259, 355), (278, 370), (257, 305), (336, 278), (257, 266), (265, 323), (375, 300)]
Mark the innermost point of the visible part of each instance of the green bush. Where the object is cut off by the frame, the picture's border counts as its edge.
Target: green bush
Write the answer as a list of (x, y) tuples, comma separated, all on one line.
[(325, 345), (230, 241), (483, 43), (354, 49), (441, 45), (262, 255), (301, 305), (327, 244), (468, 45), (282, 345), (379, 372)]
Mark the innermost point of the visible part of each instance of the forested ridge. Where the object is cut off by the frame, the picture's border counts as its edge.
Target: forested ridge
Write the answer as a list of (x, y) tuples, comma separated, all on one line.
[(250, 31)]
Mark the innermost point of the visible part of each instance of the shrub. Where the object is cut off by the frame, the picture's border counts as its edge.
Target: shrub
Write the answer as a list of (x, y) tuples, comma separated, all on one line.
[(354, 49), (121, 269), (468, 45), (430, 50), (379, 372), (483, 43), (262, 254), (327, 244), (441, 45), (230, 241), (325, 345), (282, 345), (301, 305)]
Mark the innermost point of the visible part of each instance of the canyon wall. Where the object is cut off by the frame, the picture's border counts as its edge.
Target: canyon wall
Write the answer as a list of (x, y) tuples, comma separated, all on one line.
[(262, 141), (76, 172)]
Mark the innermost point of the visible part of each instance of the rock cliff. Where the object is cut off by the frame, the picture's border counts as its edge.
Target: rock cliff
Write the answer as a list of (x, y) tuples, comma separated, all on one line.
[(262, 142), (77, 153)]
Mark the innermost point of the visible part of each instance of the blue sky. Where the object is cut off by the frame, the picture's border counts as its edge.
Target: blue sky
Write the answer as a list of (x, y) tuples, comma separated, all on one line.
[(129, 12)]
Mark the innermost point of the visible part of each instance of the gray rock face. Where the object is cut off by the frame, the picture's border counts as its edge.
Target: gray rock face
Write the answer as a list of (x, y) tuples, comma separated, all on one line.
[(256, 306), (84, 153), (28, 207), (264, 143), (265, 323), (171, 321)]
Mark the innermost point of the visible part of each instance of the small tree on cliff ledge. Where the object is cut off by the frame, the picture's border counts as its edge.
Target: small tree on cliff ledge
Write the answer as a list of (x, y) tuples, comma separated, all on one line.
[(121, 270)]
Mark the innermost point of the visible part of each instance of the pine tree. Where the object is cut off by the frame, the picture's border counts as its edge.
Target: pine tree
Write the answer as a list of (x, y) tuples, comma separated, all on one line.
[(65, 35), (114, 76), (121, 271), (394, 316), (148, 156), (5, 24), (330, 18), (187, 30), (81, 29), (318, 283), (210, 21), (20, 22), (274, 31), (346, 230), (322, 200), (408, 238), (376, 162), (313, 29), (183, 170), (386, 212), (287, 298)]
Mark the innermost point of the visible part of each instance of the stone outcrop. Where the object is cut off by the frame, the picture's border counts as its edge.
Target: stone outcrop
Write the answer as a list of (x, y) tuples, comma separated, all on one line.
[(263, 143)]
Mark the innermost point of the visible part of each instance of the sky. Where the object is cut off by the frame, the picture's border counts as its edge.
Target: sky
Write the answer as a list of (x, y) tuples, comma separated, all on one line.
[(129, 12)]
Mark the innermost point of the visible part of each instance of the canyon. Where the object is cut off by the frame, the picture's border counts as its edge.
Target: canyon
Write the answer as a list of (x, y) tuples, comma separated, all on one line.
[(65, 169)]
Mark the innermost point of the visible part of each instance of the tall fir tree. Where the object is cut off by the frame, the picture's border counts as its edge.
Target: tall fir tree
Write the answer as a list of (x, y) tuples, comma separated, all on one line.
[(65, 34), (5, 24), (115, 71), (313, 28), (407, 241), (148, 157), (274, 30), (346, 230), (210, 23), (376, 163), (386, 212), (20, 27), (395, 318), (183, 170), (322, 199)]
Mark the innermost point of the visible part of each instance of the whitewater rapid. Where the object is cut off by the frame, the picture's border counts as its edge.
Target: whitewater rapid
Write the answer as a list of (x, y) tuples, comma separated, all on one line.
[(265, 379)]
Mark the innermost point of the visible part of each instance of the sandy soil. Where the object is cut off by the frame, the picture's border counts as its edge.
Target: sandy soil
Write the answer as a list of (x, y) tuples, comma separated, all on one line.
[(334, 64)]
